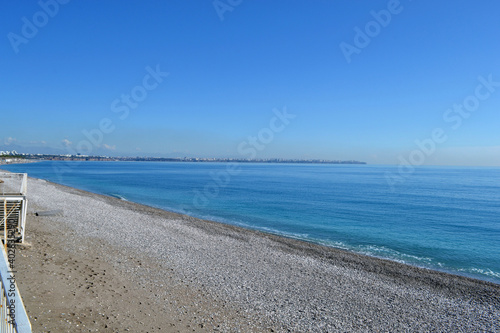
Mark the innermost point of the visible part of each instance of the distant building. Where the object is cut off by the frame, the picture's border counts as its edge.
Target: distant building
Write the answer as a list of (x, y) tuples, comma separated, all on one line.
[(8, 153)]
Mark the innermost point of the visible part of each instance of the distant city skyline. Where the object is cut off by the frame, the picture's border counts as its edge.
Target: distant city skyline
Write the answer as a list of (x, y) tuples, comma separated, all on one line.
[(14, 158), (384, 82)]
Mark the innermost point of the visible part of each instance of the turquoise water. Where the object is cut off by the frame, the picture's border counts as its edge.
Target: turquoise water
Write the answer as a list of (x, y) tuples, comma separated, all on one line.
[(444, 218)]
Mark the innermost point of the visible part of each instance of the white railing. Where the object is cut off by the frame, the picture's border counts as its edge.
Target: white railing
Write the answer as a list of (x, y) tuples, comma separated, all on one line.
[(13, 183), (13, 316), (24, 184)]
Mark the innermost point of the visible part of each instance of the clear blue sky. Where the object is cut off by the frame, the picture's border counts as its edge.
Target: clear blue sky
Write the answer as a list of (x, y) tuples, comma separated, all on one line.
[(226, 76)]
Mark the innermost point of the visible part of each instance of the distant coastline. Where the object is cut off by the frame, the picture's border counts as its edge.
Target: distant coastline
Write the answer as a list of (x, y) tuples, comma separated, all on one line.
[(4, 161), (26, 158)]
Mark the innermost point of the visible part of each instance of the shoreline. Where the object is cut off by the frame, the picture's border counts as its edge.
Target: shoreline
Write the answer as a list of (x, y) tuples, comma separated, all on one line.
[(246, 278), (289, 237), (310, 247)]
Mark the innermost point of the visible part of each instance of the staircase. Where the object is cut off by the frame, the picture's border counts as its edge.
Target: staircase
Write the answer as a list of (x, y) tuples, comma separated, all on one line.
[(11, 216), (13, 206)]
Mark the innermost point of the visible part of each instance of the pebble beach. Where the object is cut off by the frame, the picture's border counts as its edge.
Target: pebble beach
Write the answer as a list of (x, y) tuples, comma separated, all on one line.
[(107, 265)]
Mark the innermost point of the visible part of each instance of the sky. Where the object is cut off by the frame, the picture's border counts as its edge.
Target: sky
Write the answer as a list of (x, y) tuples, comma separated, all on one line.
[(385, 82)]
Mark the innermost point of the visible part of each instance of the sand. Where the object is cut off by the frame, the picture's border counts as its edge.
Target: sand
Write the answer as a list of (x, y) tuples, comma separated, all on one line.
[(107, 265)]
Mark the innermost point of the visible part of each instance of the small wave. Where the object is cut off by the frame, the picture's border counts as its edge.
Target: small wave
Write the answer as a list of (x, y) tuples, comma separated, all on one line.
[(247, 225), (118, 196), (301, 236), (486, 272), (386, 252)]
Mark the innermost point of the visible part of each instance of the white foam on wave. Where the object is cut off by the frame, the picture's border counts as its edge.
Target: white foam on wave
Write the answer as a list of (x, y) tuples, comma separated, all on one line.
[(487, 272), (118, 196)]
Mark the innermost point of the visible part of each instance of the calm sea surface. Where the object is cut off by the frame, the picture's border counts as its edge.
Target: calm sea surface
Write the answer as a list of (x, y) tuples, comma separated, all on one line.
[(444, 218)]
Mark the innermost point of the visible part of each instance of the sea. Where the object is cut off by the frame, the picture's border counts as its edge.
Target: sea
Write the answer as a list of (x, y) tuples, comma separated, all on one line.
[(438, 217)]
